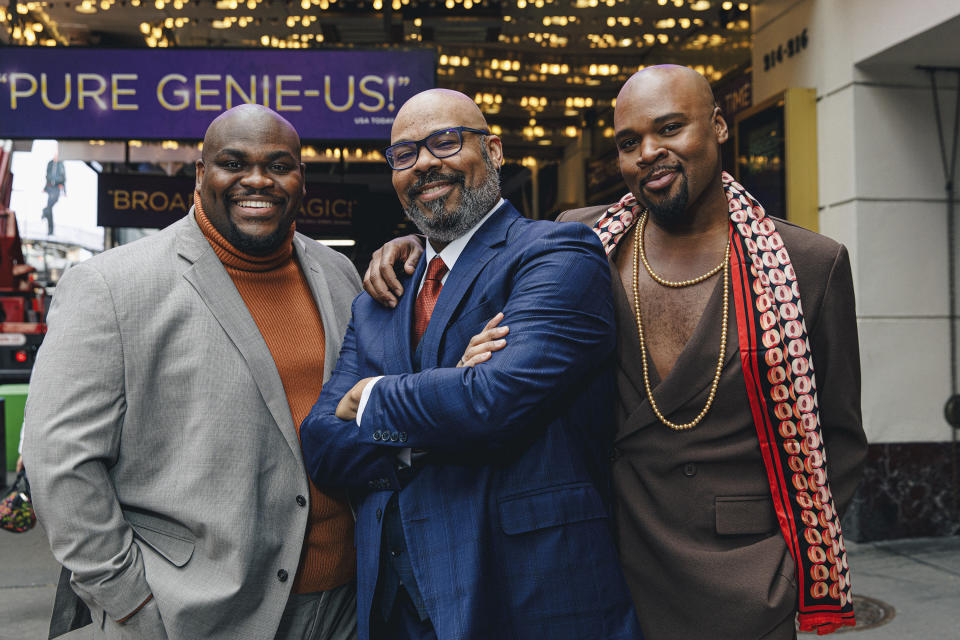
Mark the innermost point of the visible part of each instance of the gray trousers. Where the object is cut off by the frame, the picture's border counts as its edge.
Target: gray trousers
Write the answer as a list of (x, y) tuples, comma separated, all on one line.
[(322, 615)]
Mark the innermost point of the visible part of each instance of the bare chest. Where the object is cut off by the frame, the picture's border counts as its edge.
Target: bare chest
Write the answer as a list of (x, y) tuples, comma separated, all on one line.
[(669, 315)]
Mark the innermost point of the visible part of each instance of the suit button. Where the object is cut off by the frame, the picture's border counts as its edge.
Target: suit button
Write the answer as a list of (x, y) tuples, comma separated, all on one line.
[(394, 553), (301, 501), (379, 514), (282, 575), (376, 435), (372, 484), (690, 469), (403, 436), (394, 437)]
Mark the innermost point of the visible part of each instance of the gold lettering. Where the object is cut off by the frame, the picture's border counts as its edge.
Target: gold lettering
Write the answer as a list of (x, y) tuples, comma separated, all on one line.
[(158, 197), (200, 92), (45, 95), (116, 91), (287, 92), (139, 200), (121, 199), (336, 208), (178, 202), (370, 92), (93, 94), (183, 94), (315, 207), (248, 98), (15, 93), (329, 101)]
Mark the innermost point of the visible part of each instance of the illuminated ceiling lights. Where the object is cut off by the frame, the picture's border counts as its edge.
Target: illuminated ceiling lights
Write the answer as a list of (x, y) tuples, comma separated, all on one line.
[(455, 61), (489, 103), (534, 104), (516, 57), (29, 25), (554, 69)]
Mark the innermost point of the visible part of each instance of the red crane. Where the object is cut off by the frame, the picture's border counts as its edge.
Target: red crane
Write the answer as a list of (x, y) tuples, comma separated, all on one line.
[(21, 300)]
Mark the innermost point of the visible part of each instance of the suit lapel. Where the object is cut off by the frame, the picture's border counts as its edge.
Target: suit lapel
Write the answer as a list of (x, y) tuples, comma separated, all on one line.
[(692, 374), (399, 351), (212, 282), (320, 288), (479, 251)]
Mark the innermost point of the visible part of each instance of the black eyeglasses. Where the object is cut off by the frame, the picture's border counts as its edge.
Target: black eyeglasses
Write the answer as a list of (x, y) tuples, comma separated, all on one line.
[(442, 144)]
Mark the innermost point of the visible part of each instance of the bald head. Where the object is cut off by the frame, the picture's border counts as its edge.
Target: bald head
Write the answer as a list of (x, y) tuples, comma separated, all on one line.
[(246, 120), (435, 108), (682, 82)]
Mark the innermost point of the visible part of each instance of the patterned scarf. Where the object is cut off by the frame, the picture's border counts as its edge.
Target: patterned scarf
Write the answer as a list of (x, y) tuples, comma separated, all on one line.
[(778, 370)]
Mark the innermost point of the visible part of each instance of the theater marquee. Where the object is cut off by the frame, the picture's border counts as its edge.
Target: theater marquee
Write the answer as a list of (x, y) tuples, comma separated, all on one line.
[(175, 93), (154, 201)]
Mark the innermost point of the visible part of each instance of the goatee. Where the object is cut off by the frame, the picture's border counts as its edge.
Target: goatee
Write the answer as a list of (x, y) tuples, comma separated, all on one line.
[(475, 202), (258, 246), (671, 211)]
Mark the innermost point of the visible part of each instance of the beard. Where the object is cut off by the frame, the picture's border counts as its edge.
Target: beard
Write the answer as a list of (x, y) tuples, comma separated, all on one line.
[(258, 245), (672, 210), (475, 202), (252, 245)]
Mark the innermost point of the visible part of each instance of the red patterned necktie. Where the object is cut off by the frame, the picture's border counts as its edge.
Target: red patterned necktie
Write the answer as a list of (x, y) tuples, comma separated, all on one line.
[(427, 298)]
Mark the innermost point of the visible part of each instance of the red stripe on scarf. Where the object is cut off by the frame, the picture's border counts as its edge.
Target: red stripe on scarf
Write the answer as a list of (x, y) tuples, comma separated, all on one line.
[(750, 361)]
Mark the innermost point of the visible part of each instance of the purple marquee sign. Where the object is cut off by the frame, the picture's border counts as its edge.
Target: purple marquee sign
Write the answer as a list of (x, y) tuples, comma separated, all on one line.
[(174, 93)]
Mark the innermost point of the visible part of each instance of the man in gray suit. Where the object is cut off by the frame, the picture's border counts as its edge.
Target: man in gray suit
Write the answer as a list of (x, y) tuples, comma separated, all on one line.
[(164, 409)]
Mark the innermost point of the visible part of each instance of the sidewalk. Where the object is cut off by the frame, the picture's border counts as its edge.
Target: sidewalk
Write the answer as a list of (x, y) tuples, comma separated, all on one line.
[(919, 578)]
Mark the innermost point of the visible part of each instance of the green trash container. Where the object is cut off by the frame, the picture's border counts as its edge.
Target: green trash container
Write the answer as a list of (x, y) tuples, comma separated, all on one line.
[(16, 398)]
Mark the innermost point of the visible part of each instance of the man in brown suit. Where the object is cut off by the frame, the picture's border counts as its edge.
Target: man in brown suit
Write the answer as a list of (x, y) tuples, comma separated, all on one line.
[(700, 541)]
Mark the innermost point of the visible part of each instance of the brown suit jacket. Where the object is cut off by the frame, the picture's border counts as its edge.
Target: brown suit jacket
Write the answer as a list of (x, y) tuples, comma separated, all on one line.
[(698, 537)]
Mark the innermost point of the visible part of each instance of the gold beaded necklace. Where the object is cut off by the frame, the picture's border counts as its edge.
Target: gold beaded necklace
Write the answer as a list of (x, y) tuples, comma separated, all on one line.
[(679, 283), (725, 265)]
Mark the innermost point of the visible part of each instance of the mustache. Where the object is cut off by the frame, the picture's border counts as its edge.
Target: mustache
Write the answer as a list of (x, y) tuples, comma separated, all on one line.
[(454, 177), (659, 169)]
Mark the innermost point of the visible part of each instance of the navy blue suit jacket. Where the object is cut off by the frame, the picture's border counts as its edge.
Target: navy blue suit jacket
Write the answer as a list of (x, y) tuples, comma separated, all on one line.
[(506, 518)]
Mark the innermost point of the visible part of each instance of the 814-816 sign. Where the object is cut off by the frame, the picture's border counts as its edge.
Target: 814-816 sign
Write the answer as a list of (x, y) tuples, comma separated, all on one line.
[(790, 48)]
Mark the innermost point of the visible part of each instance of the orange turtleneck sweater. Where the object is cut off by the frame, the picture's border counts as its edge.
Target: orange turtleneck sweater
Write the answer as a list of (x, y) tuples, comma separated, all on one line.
[(278, 297)]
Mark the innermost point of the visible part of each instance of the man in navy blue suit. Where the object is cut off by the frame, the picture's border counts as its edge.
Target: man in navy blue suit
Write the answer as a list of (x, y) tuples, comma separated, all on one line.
[(481, 491)]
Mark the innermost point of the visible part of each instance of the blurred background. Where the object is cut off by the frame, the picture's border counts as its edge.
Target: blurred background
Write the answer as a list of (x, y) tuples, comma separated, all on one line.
[(844, 118)]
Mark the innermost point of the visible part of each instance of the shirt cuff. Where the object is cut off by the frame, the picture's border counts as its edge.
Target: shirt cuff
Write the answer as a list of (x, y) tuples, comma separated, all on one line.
[(364, 396)]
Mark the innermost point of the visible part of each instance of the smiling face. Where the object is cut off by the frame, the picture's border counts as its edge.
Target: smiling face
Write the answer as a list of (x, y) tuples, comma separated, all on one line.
[(250, 178), (446, 197), (668, 135)]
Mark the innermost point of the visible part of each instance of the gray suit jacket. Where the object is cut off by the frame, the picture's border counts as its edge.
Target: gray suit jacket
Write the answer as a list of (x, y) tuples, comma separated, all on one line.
[(698, 535), (162, 453)]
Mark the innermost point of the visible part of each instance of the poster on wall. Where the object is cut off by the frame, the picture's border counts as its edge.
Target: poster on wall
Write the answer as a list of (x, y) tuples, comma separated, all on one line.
[(175, 93)]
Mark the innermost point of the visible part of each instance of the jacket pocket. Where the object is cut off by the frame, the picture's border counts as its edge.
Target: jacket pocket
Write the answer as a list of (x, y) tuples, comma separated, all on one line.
[(550, 507), (171, 540), (745, 515)]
